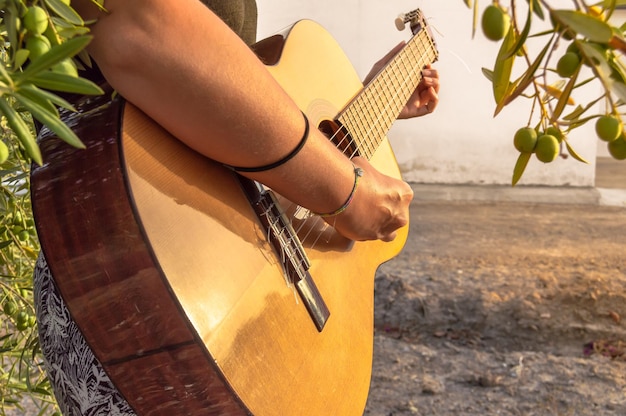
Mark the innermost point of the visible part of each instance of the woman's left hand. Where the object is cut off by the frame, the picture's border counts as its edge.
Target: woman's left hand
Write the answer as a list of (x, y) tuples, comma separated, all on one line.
[(424, 99)]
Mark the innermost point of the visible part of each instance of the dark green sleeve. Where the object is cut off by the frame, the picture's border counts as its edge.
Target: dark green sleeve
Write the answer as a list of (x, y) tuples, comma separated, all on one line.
[(240, 15)]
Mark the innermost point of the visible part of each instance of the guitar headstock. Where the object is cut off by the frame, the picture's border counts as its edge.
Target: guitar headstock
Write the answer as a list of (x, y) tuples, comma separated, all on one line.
[(417, 23)]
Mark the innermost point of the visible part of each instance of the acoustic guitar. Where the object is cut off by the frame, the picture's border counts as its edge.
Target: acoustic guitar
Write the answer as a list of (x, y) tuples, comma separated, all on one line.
[(202, 292)]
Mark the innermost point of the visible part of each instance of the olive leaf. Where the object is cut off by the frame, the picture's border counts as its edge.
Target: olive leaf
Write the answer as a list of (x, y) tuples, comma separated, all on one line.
[(521, 40), (65, 12), (564, 99), (526, 78), (21, 130), (520, 167), (596, 54), (50, 119), (12, 23), (619, 88), (37, 94), (503, 67), (557, 93), (536, 7), (618, 71), (4, 75), (602, 68), (474, 18), (41, 100), (20, 58), (67, 30), (574, 115), (488, 73), (588, 26), (57, 81), (573, 152), (55, 55), (615, 3), (579, 111)]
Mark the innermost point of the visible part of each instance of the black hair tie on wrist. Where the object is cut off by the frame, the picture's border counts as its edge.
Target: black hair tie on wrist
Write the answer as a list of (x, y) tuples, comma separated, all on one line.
[(282, 161)]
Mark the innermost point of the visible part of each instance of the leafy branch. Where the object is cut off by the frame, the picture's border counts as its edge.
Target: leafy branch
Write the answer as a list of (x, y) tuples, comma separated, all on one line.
[(42, 37), (595, 50), (42, 50)]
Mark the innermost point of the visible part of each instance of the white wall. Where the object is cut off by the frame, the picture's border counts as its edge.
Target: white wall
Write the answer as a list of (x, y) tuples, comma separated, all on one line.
[(461, 143)]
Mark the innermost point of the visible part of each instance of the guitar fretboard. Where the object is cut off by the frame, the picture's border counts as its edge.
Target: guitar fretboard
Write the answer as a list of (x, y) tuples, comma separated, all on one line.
[(371, 113)]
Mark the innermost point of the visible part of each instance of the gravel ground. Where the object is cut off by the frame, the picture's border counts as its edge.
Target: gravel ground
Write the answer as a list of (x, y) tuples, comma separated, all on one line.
[(503, 308)]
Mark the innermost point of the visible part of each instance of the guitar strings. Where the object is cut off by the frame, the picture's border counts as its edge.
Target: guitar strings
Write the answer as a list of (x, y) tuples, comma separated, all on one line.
[(272, 229), (314, 221), (352, 141)]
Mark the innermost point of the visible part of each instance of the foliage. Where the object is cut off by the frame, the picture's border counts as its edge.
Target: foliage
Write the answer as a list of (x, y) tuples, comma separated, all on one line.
[(593, 54), (21, 374), (43, 45)]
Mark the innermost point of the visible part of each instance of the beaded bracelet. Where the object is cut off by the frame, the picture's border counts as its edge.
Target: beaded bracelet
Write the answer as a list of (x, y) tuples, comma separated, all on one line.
[(358, 172), (282, 161)]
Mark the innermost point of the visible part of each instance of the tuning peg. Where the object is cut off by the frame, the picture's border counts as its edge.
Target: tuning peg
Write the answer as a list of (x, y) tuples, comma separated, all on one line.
[(414, 17), (401, 21)]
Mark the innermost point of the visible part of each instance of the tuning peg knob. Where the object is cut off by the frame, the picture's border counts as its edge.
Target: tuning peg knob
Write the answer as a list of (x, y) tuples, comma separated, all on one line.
[(401, 22)]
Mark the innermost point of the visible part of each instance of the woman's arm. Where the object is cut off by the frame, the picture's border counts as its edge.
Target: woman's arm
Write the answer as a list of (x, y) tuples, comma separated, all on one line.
[(179, 63)]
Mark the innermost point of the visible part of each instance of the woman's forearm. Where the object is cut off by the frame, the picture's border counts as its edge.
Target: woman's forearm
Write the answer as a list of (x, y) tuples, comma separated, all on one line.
[(187, 70), (181, 65)]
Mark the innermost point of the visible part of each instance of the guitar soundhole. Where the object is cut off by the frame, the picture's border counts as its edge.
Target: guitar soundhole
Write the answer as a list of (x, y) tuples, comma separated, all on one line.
[(340, 136)]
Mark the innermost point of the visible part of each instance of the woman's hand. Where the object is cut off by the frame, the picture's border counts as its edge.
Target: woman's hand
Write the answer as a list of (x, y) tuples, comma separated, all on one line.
[(379, 207), (424, 99)]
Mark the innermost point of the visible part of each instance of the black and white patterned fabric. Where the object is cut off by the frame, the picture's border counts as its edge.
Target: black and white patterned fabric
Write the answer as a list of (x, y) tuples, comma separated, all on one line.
[(80, 385)]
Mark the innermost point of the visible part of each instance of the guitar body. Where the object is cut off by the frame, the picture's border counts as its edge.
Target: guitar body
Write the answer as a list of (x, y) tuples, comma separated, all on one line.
[(165, 268)]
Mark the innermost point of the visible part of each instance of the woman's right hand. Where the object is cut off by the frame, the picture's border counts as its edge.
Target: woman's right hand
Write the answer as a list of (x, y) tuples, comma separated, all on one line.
[(379, 207)]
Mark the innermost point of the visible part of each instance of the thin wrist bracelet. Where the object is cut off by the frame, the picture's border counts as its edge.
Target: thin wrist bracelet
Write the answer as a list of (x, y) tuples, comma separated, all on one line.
[(282, 161), (358, 172)]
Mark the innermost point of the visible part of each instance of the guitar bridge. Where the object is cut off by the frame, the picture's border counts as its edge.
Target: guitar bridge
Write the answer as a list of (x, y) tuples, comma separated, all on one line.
[(288, 248)]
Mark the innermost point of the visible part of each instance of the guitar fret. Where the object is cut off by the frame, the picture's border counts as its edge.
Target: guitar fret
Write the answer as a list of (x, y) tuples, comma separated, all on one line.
[(365, 120), (370, 115), (370, 121)]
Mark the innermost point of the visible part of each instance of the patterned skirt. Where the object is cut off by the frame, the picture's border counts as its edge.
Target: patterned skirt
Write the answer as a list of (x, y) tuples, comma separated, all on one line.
[(80, 385)]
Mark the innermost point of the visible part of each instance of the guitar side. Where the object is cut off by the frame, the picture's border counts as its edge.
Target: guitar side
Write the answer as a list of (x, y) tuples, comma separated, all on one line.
[(174, 282)]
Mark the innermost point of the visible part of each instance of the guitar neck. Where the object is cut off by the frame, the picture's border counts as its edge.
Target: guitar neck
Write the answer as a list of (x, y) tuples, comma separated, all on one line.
[(371, 113)]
